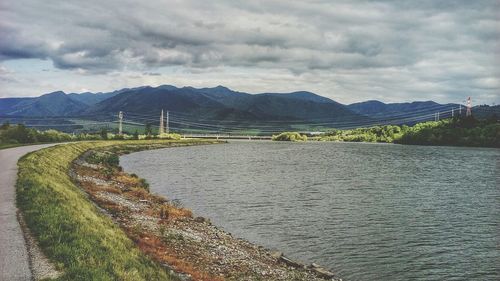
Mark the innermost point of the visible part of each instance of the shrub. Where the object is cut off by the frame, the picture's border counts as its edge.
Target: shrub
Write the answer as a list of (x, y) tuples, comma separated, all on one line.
[(103, 157), (170, 136), (289, 136), (143, 184)]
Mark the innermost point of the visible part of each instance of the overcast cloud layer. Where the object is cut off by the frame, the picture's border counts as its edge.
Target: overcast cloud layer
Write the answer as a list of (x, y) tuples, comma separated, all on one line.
[(346, 50)]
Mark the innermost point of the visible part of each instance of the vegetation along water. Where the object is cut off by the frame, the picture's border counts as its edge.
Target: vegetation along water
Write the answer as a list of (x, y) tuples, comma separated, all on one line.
[(456, 132), (84, 243)]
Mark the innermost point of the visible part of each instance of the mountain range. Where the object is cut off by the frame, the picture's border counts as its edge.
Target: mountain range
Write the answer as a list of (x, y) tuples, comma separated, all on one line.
[(218, 104)]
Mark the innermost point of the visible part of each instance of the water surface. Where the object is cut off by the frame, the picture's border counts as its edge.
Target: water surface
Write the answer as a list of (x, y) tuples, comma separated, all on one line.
[(366, 211)]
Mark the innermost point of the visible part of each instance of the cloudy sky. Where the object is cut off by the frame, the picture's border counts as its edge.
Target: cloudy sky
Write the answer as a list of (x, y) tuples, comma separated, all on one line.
[(346, 50)]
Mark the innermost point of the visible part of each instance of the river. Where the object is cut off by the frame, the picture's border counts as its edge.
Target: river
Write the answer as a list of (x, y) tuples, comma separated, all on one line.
[(365, 211)]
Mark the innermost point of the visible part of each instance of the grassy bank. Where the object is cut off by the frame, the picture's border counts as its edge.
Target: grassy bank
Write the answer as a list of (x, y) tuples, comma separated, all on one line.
[(83, 242)]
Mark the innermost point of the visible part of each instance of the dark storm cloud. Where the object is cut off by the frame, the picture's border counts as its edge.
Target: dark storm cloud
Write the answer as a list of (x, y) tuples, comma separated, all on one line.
[(434, 43)]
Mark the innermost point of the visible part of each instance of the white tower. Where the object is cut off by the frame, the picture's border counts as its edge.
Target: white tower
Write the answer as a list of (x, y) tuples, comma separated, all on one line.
[(120, 120), (469, 107), (161, 123)]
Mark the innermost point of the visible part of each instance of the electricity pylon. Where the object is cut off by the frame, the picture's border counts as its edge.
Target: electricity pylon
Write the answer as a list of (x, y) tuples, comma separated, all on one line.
[(120, 121), (469, 107), (161, 123)]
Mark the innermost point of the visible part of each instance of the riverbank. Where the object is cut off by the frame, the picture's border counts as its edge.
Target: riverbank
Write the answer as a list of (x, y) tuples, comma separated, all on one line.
[(81, 242), (188, 245), (126, 233)]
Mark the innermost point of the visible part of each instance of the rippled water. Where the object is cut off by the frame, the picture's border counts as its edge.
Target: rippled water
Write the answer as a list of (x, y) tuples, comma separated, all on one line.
[(366, 211)]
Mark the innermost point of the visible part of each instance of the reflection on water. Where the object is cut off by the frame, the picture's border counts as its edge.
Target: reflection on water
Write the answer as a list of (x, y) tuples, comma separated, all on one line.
[(366, 211)]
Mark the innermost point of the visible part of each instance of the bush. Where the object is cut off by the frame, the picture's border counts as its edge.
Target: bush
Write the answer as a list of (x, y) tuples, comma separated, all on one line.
[(105, 158), (289, 136), (170, 136), (104, 134), (21, 134), (143, 184)]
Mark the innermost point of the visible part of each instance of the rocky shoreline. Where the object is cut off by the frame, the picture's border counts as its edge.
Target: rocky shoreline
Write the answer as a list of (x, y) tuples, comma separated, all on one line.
[(188, 246)]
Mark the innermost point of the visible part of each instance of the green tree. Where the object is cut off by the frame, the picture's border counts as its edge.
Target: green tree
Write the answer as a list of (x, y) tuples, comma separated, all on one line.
[(104, 133), (5, 125), (148, 130), (19, 134)]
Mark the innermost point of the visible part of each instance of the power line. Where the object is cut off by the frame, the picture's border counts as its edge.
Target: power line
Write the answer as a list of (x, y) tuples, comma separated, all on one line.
[(331, 122)]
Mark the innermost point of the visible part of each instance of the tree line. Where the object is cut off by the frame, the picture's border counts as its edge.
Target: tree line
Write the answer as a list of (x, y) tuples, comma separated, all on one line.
[(458, 131), (20, 134)]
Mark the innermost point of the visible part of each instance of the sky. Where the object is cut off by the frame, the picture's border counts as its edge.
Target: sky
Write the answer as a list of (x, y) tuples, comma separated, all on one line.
[(349, 51)]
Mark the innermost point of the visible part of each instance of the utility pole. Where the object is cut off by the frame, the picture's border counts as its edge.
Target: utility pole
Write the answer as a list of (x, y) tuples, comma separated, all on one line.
[(168, 126), (161, 123), (452, 113), (120, 119), (469, 106), (460, 110)]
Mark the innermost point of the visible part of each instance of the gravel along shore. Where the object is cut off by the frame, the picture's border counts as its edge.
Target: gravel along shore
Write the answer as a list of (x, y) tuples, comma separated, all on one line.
[(184, 244)]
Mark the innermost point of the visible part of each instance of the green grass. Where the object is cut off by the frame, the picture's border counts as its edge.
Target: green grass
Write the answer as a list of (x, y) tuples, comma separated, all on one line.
[(82, 242)]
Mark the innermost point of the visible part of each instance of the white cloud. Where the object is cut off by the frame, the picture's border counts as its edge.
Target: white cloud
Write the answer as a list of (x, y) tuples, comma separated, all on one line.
[(346, 50)]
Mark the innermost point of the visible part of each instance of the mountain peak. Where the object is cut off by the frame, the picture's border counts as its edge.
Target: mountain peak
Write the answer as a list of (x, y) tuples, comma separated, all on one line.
[(167, 87), (54, 94), (220, 87), (302, 95)]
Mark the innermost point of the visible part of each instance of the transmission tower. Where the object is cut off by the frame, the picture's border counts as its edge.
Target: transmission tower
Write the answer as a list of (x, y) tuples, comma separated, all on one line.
[(161, 123), (120, 120), (469, 106)]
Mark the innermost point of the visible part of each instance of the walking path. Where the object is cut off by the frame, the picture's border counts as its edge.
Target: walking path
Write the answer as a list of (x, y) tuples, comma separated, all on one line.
[(14, 259)]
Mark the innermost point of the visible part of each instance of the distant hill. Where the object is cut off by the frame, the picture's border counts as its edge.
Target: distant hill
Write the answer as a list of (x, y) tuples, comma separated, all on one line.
[(52, 104), (220, 105), (149, 100), (377, 109), (89, 98), (299, 106), (8, 105)]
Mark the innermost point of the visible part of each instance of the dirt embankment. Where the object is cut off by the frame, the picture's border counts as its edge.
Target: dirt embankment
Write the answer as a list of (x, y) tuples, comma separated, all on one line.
[(190, 246)]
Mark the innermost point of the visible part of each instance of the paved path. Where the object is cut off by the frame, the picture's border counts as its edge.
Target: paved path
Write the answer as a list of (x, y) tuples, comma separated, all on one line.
[(14, 260)]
